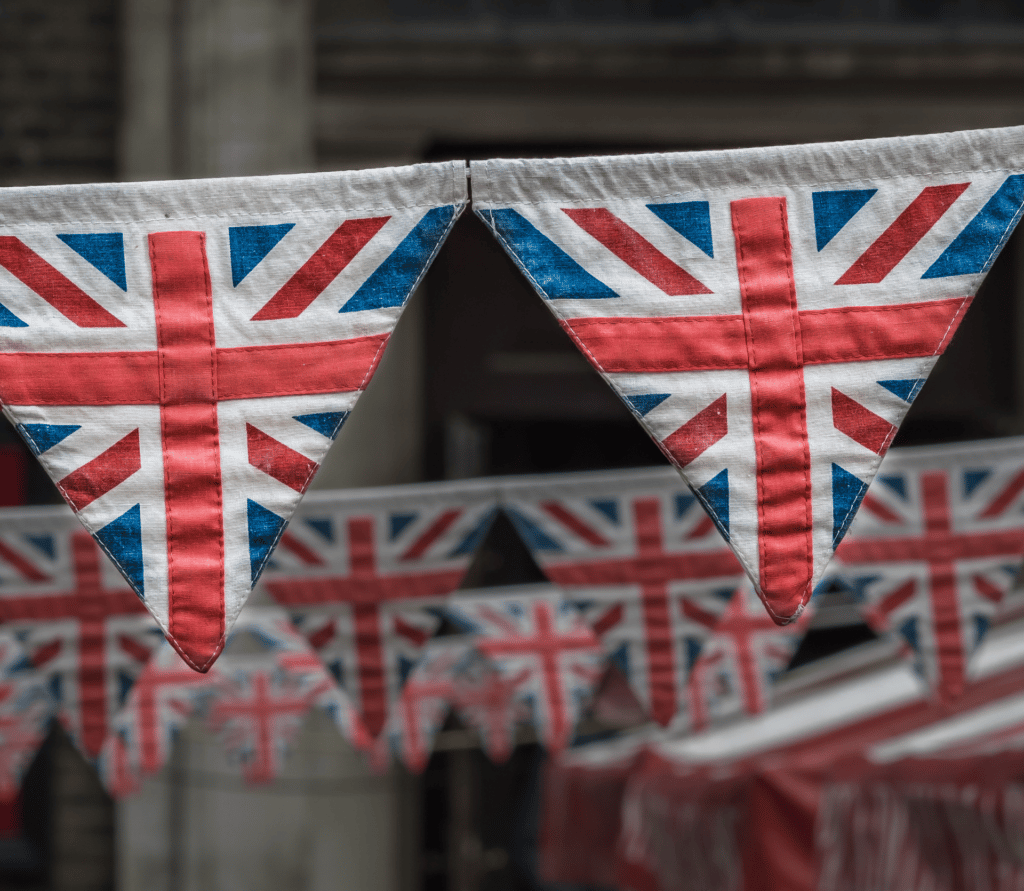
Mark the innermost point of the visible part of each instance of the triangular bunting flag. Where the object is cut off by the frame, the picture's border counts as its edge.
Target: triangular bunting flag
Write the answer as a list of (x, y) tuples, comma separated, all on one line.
[(741, 660), (86, 632), (935, 550), (356, 568), (532, 634), (775, 348), (207, 352), (651, 572)]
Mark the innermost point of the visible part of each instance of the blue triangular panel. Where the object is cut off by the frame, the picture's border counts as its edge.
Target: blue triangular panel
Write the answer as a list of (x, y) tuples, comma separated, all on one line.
[(398, 523), (693, 648), (619, 657), (981, 624), (9, 320), (847, 492), (104, 250), (977, 246), (535, 538), (265, 528), (691, 219), (392, 282), (833, 210), (42, 437), (908, 630), (973, 479), (897, 484), (44, 543), (124, 685), (683, 504), (552, 271), (907, 389), (326, 422), (122, 540), (608, 507), (250, 244), (642, 403), (471, 542), (324, 527), (714, 495)]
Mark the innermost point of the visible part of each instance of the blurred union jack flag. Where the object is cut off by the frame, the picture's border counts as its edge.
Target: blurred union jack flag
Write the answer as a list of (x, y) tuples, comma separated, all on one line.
[(180, 359), (936, 547), (84, 629), (25, 712), (639, 550), (768, 315), (356, 569)]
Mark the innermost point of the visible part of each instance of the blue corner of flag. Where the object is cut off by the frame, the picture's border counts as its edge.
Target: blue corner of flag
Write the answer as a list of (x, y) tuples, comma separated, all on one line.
[(326, 422), (391, 283), (250, 244), (642, 403), (557, 275), (9, 320), (535, 538), (265, 528), (847, 492), (714, 495), (397, 523), (43, 437), (325, 528), (607, 507), (973, 479), (906, 389), (833, 210), (691, 219), (104, 251), (472, 540), (122, 540)]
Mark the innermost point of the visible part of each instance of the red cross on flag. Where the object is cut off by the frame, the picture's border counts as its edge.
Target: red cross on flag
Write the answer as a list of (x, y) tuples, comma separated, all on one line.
[(356, 568), (741, 660), (532, 633), (638, 551), (85, 630), (25, 712), (181, 355), (935, 549), (768, 315)]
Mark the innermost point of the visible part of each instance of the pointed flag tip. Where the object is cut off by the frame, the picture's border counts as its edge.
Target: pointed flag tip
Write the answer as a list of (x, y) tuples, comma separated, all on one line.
[(198, 654), (782, 606)]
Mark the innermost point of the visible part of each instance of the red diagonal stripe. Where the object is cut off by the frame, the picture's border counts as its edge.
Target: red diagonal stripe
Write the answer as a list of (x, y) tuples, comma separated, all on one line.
[(306, 554), (28, 570), (133, 648), (321, 269), (695, 614), (45, 653), (861, 424), (636, 251), (109, 469), (987, 590), (276, 459), (608, 619), (433, 532), (699, 433), (323, 635), (905, 232), (191, 443), (779, 403), (880, 509), (703, 527), (410, 632), (574, 524), (1005, 498), (53, 286), (893, 601)]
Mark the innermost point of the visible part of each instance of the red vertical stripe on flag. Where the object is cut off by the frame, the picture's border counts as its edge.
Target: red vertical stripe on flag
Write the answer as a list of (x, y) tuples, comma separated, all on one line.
[(775, 357), (191, 443)]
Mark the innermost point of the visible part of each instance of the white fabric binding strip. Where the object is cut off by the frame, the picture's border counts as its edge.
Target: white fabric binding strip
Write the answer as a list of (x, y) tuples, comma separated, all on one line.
[(501, 183)]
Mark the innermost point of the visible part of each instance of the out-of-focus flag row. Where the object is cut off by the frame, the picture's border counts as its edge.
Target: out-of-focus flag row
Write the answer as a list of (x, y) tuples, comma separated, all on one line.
[(641, 588)]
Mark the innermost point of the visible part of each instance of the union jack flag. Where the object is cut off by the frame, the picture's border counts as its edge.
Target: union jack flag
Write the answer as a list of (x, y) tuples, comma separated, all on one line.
[(180, 356), (255, 699), (84, 629), (532, 634), (25, 712), (355, 568), (768, 315), (741, 660), (487, 700), (935, 548), (638, 547), (425, 700)]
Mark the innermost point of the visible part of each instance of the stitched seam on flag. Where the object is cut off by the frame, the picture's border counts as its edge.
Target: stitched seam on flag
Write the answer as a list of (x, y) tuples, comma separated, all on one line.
[(1007, 232), (711, 190)]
